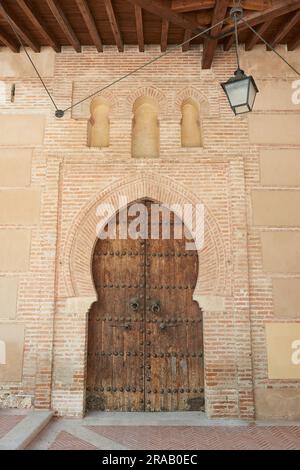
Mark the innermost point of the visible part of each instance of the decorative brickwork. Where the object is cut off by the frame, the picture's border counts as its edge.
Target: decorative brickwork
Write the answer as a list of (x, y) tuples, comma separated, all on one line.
[(194, 94), (215, 286), (143, 184), (55, 286)]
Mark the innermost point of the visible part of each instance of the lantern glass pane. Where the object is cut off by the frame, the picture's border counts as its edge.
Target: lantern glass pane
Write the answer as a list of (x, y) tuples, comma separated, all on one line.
[(252, 94), (242, 109), (237, 92)]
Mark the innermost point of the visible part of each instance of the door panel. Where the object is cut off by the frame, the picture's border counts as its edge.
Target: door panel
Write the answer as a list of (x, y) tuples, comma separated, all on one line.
[(145, 349), (174, 337), (115, 352)]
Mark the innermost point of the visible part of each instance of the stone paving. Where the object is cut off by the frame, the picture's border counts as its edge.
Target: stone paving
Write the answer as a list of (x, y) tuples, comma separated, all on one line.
[(9, 419), (165, 431)]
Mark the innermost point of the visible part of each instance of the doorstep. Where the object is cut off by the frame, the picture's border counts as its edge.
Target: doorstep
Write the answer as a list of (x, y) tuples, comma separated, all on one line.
[(26, 430)]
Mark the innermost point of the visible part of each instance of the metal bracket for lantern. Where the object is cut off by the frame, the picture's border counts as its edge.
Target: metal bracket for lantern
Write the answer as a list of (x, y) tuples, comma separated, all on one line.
[(240, 89)]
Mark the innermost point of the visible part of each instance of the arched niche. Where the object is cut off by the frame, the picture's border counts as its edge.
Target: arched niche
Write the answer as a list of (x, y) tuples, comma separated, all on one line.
[(99, 124), (145, 128), (191, 135)]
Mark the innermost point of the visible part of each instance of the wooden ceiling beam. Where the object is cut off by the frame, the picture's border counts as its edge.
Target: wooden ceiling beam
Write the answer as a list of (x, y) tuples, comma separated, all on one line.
[(90, 24), (210, 46), (182, 6), (64, 24), (204, 18), (227, 44), (279, 8), (253, 39), (8, 42), (187, 35), (26, 38), (281, 35), (139, 27), (257, 5), (164, 35), (31, 14), (114, 25), (163, 11), (294, 43)]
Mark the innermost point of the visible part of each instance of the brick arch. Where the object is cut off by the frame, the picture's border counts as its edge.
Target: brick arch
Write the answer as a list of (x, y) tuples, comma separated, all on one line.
[(196, 96), (111, 98), (79, 247), (108, 96), (147, 91)]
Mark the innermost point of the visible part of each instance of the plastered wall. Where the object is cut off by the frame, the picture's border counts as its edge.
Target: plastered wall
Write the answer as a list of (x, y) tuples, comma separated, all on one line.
[(273, 186)]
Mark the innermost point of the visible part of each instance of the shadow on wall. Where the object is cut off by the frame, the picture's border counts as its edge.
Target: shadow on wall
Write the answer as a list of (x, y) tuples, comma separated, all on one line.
[(145, 128), (99, 124), (190, 124)]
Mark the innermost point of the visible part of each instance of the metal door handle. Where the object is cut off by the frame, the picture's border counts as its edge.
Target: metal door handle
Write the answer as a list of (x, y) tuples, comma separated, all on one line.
[(134, 304), (155, 306)]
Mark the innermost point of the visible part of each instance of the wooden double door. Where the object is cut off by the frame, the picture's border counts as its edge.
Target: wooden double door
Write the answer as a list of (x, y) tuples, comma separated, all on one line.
[(145, 342)]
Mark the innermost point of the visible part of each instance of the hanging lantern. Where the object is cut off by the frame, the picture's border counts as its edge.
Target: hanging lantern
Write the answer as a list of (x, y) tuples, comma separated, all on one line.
[(240, 89), (241, 92)]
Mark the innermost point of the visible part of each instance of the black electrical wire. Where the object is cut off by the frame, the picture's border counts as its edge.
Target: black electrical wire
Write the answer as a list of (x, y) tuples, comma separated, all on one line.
[(270, 46), (60, 113), (146, 64), (30, 59)]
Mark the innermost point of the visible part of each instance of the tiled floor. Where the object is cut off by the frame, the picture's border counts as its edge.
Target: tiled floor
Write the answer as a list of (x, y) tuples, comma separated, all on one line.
[(66, 441), (200, 438), (175, 431)]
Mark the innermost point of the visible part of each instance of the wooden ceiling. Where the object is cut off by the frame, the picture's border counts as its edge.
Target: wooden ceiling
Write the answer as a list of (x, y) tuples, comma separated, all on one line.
[(77, 23)]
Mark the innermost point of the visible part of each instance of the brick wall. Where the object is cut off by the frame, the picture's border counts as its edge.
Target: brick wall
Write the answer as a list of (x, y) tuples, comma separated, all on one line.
[(52, 289)]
